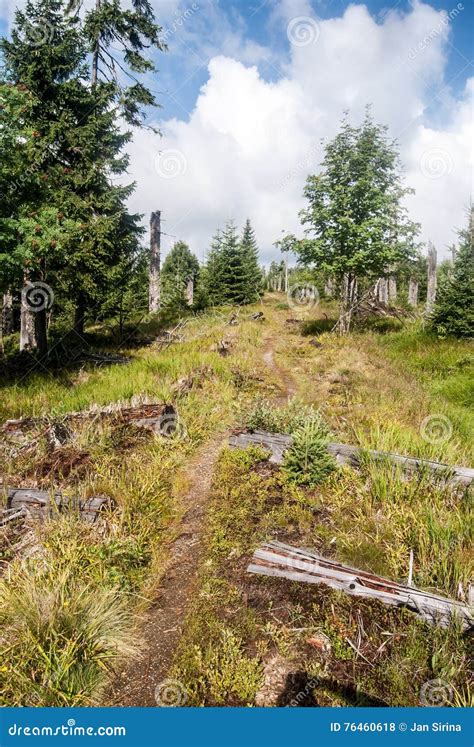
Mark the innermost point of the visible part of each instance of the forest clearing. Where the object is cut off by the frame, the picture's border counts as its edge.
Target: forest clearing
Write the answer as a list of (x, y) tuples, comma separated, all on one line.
[(236, 370), (153, 599)]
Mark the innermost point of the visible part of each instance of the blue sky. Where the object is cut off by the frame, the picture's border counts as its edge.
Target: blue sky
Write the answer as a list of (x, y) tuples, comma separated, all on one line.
[(249, 89), (256, 18)]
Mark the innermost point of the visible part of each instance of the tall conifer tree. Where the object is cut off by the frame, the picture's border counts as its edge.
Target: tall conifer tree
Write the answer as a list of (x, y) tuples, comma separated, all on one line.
[(454, 310)]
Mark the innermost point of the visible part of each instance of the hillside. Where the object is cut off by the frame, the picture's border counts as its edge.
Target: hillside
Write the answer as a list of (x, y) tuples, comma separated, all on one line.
[(151, 602)]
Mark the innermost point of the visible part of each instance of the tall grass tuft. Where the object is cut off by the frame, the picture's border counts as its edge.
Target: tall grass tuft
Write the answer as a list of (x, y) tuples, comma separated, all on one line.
[(61, 637)]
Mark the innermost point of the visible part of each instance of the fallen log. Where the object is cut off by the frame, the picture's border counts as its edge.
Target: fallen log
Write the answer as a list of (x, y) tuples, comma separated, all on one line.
[(41, 504), (156, 417), (101, 359), (162, 342), (295, 564), (277, 444)]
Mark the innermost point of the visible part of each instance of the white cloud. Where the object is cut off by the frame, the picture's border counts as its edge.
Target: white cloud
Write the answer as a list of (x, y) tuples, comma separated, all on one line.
[(249, 143)]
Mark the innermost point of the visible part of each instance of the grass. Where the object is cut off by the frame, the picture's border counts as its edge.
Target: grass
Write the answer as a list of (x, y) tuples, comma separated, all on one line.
[(376, 395), (270, 619), (85, 584), (71, 597)]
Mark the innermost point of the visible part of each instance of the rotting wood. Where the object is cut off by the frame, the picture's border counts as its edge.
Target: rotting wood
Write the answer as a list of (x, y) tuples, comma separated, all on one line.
[(278, 443), (163, 341), (100, 359), (146, 416), (296, 564), (42, 504)]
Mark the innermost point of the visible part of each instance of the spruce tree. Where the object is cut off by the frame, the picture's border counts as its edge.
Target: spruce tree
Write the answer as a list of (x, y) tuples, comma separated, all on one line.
[(253, 273), (234, 276), (454, 310), (119, 38), (179, 267), (77, 147), (212, 276)]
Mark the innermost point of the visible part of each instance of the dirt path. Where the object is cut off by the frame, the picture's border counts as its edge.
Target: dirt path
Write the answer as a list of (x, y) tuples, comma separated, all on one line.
[(163, 622), (286, 381), (162, 625)]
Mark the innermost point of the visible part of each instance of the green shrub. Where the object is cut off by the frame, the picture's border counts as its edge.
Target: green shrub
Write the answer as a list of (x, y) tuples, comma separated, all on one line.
[(307, 461)]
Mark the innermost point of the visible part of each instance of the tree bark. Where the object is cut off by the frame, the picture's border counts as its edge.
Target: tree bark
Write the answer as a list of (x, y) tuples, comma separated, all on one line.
[(432, 280), (190, 292), (27, 323), (40, 331), (382, 292), (348, 299), (155, 262), (392, 288), (7, 313), (329, 288), (413, 292)]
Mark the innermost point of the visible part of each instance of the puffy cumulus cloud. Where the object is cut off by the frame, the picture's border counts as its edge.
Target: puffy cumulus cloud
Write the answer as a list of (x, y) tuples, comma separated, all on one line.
[(249, 143)]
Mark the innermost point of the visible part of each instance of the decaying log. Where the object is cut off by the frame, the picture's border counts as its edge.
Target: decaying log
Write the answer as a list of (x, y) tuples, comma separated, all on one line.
[(100, 359), (163, 341), (156, 416), (277, 444), (295, 564), (41, 504), (353, 455)]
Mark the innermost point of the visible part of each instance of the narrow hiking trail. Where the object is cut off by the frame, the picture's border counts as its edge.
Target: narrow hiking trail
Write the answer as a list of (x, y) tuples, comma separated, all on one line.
[(145, 677), (161, 625)]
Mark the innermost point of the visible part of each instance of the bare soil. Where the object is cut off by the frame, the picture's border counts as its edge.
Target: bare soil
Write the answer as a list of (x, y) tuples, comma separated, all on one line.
[(162, 624)]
